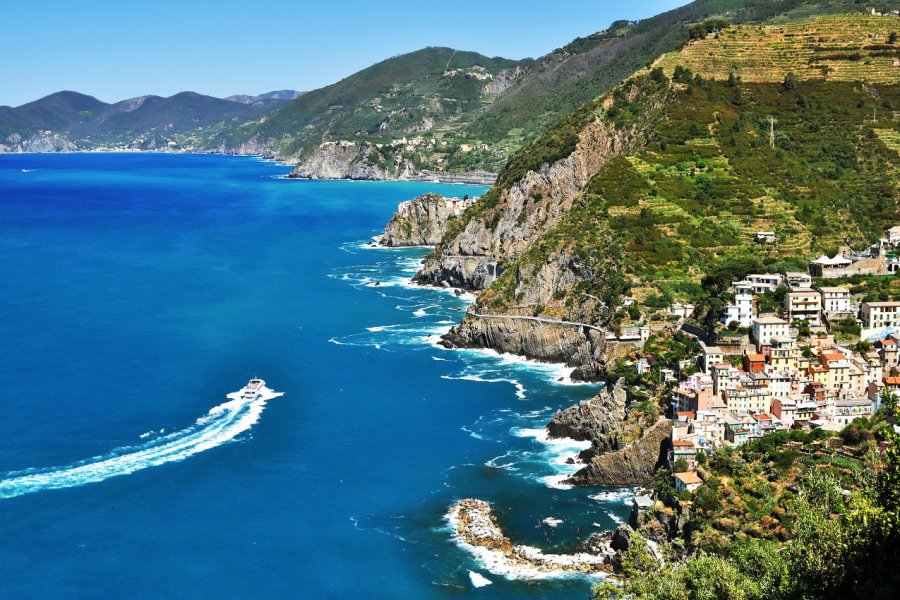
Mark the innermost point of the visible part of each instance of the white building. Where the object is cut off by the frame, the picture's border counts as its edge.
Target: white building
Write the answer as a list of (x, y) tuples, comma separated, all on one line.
[(763, 329), (797, 280), (741, 310), (835, 299), (764, 282), (877, 315)]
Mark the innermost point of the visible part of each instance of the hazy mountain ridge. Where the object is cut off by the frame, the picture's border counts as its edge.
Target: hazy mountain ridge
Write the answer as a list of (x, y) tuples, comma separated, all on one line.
[(78, 121)]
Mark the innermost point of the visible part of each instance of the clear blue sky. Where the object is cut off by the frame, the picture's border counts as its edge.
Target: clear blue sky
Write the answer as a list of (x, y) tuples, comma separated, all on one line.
[(120, 49)]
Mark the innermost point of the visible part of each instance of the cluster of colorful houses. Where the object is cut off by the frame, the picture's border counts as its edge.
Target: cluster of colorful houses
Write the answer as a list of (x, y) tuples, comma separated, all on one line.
[(777, 379)]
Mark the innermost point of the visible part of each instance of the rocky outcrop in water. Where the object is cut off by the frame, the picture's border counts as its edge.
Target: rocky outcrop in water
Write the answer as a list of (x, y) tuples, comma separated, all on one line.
[(350, 160), (422, 221), (475, 528), (610, 460), (598, 420), (633, 464)]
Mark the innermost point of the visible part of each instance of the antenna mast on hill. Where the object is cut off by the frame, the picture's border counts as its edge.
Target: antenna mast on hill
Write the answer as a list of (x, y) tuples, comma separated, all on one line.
[(772, 132)]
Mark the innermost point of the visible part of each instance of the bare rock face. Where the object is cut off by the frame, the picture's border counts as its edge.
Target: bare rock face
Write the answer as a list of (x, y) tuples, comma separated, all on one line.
[(422, 221), (45, 141), (349, 160), (598, 420), (529, 207), (610, 461), (579, 348), (632, 465)]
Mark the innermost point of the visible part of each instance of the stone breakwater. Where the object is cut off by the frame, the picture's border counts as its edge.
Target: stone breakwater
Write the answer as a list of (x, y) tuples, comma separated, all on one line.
[(475, 529)]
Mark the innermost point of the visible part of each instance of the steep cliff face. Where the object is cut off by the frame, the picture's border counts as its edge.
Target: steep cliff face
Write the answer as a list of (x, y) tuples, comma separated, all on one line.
[(39, 142), (632, 465), (581, 348), (422, 221), (528, 208), (610, 460), (598, 420), (350, 160)]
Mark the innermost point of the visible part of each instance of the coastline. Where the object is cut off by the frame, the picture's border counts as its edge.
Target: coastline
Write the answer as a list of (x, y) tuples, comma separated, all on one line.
[(466, 178)]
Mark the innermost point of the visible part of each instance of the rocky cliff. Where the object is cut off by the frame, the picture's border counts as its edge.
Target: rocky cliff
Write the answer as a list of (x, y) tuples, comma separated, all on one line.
[(578, 347), (422, 221), (526, 209), (45, 141), (350, 160), (610, 459)]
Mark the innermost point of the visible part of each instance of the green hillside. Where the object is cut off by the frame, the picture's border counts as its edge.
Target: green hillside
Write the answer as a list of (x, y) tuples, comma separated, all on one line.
[(711, 174), (430, 90), (410, 95)]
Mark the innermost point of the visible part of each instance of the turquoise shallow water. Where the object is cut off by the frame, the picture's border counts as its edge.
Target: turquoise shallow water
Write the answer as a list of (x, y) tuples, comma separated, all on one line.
[(139, 289)]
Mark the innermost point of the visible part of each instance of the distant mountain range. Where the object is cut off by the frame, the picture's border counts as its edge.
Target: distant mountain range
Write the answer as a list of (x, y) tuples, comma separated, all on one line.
[(69, 120)]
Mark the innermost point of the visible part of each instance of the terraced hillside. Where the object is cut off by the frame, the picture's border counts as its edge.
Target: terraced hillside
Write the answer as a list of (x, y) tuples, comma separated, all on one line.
[(673, 214), (834, 48)]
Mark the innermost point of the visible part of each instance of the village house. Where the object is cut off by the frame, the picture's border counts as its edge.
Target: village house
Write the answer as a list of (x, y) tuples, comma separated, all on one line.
[(797, 280), (785, 409), (888, 352), (684, 449), (836, 303), (784, 355), (764, 329), (779, 384), (764, 282), (766, 237), (838, 371), (845, 410), (735, 433), (711, 355), (878, 315), (682, 311), (688, 481), (754, 363), (803, 305), (741, 309)]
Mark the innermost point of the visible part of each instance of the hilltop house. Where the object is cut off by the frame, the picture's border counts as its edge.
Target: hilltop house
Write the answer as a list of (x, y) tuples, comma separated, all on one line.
[(764, 282), (797, 280)]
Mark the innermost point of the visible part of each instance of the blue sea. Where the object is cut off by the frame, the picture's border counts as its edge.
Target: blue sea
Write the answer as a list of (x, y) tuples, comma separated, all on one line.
[(139, 289)]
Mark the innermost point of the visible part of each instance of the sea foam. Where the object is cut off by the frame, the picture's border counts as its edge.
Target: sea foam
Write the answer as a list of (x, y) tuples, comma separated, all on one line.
[(222, 424)]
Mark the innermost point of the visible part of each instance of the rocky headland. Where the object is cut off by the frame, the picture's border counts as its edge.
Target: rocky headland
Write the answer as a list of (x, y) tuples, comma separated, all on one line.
[(422, 221), (623, 451)]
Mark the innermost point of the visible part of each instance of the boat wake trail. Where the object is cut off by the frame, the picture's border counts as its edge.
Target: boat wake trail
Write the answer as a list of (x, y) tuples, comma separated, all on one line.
[(222, 424)]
